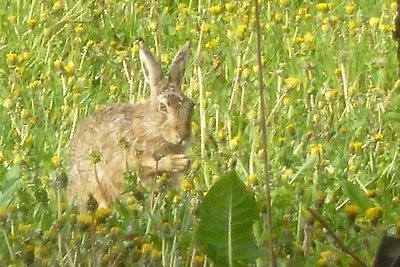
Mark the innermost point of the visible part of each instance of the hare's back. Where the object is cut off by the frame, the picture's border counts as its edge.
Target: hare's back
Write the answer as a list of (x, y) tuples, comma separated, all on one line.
[(102, 128)]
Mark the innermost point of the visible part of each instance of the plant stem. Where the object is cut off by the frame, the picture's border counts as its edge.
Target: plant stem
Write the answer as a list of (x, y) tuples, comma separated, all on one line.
[(336, 238), (272, 261), (8, 244), (396, 33)]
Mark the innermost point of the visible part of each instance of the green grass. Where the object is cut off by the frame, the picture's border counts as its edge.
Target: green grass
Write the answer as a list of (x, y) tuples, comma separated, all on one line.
[(330, 74)]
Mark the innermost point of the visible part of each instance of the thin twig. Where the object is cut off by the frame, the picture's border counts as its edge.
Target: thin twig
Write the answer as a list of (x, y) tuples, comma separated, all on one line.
[(272, 261), (341, 245), (396, 32)]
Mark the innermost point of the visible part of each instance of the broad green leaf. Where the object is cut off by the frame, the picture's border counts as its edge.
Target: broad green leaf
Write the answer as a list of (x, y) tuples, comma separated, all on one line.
[(225, 231), (355, 194)]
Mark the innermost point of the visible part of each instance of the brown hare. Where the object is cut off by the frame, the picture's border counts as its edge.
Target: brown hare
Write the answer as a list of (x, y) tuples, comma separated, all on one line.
[(149, 138)]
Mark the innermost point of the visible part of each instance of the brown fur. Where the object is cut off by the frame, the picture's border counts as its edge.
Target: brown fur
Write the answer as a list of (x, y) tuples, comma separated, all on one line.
[(148, 138)]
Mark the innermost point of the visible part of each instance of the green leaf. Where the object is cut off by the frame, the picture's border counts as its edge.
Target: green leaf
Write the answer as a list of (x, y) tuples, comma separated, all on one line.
[(11, 183), (355, 194), (225, 231)]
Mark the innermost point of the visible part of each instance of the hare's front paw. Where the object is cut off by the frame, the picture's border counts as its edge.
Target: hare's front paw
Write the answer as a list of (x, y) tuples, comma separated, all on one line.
[(174, 163)]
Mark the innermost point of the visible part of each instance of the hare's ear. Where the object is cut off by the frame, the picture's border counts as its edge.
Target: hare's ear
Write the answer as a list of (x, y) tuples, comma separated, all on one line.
[(178, 66), (151, 67)]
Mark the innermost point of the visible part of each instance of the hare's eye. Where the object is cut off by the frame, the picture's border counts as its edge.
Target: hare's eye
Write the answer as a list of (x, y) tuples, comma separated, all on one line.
[(163, 107)]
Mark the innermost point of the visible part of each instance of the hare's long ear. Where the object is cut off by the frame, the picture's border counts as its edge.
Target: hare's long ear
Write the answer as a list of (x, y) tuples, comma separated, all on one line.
[(151, 68), (178, 66)]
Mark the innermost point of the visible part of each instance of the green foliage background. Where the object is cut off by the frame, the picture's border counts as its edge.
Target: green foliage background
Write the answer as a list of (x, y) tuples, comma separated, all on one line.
[(332, 91)]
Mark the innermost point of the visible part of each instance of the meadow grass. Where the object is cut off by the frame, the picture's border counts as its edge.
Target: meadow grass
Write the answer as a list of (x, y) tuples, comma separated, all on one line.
[(333, 122)]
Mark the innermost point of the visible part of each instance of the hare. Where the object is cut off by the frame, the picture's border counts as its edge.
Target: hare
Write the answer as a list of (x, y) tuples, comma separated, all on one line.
[(149, 137)]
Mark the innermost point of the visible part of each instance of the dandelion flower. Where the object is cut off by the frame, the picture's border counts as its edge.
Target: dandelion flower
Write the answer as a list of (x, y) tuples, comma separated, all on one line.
[(292, 82), (11, 58), (374, 214), (215, 10), (352, 211), (230, 6), (323, 7), (374, 22), (102, 214), (70, 68)]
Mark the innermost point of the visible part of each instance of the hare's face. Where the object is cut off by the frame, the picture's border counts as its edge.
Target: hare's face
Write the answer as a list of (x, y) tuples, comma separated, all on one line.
[(177, 109)]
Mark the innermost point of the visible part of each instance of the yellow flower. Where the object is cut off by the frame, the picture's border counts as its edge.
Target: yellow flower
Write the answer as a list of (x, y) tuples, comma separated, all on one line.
[(57, 64), (40, 252), (317, 149), (32, 23), (374, 22), (135, 48), (58, 5), (115, 232), (378, 137), (283, 3), (330, 256), (155, 253), (299, 40), (281, 141), (195, 128), (84, 221), (24, 228), (221, 135), (120, 53), (19, 70), (291, 129), (350, 9), (292, 82), (199, 260), (78, 30), (213, 43), (18, 159), (70, 68), (206, 27), (252, 114), (278, 17), (12, 19), (24, 56), (186, 185), (215, 10), (7, 103), (102, 214), (179, 26), (309, 37), (11, 58), (287, 174), (322, 7), (234, 142), (147, 248), (355, 147), (246, 73), (241, 31), (393, 6), (371, 193), (352, 211), (55, 160), (252, 179), (230, 6), (374, 214), (332, 94)]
